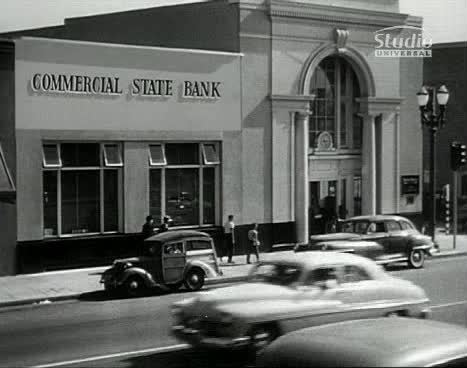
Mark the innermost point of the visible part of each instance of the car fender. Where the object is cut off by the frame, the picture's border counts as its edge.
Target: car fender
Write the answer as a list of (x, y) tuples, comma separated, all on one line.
[(146, 276), (209, 271)]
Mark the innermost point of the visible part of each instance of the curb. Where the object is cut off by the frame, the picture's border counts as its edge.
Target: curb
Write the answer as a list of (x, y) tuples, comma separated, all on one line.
[(217, 281), (46, 300)]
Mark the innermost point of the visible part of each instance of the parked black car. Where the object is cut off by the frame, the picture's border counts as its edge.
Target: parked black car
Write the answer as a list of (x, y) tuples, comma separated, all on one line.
[(384, 238)]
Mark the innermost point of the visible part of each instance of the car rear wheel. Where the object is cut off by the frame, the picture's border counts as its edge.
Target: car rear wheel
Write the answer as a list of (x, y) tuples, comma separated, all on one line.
[(416, 258), (194, 279), (134, 286)]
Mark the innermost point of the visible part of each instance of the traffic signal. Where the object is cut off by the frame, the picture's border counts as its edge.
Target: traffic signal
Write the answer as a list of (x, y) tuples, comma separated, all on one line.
[(458, 155)]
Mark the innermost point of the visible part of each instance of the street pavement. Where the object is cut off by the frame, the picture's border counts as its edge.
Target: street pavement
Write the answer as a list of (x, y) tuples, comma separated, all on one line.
[(98, 331), (53, 286)]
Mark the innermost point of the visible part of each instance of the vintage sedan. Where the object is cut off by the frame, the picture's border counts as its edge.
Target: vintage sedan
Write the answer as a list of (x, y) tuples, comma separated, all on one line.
[(171, 259), (290, 292), (380, 342), (398, 239)]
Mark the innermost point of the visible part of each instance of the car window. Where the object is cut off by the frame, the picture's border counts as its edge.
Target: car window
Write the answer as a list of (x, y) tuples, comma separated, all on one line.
[(358, 227), (275, 273), (352, 273), (320, 275), (198, 244), (406, 225), (392, 225), (174, 248), (376, 227)]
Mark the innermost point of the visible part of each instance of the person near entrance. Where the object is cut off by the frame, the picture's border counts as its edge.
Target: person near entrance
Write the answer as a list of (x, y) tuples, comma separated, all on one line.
[(165, 224), (254, 243), (229, 238), (148, 228)]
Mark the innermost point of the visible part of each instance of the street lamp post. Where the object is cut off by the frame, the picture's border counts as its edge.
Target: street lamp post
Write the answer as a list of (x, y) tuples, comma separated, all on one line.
[(434, 121)]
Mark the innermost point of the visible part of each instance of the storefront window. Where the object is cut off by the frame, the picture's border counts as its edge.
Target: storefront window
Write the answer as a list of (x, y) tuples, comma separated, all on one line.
[(81, 188), (80, 202), (335, 86), (186, 185)]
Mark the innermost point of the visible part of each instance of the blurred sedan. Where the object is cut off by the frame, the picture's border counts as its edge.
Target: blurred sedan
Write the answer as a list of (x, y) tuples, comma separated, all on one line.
[(382, 342), (291, 292)]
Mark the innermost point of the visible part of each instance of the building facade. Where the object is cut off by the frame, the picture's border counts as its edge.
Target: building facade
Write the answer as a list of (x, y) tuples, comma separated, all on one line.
[(316, 118)]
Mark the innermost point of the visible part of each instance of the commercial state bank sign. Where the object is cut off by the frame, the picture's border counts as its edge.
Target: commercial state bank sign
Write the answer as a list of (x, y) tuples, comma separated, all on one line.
[(112, 86)]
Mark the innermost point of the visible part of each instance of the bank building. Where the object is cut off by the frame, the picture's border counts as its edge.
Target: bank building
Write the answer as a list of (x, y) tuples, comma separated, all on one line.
[(256, 108)]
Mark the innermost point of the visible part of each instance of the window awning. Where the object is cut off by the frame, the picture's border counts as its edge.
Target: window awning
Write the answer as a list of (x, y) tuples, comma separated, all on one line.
[(7, 187)]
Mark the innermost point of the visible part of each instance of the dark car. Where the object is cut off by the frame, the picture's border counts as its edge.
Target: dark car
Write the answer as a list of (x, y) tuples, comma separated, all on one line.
[(172, 259), (381, 342), (393, 238)]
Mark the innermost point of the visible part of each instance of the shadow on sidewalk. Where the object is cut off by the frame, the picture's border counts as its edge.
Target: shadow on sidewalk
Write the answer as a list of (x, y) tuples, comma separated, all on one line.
[(103, 295)]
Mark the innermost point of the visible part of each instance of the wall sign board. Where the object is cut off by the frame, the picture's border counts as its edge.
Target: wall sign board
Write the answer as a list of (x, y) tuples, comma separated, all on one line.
[(410, 184)]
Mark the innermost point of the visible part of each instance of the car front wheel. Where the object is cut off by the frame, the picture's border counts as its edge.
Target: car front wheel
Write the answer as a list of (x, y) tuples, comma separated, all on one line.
[(194, 279), (134, 286), (416, 258)]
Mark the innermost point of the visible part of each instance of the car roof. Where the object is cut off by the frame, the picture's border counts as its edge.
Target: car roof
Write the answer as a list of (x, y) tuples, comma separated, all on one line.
[(405, 342), (377, 218), (352, 243), (318, 258), (174, 235)]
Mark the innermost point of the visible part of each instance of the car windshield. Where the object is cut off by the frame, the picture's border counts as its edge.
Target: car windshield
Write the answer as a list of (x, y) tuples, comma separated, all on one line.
[(276, 273), (357, 227)]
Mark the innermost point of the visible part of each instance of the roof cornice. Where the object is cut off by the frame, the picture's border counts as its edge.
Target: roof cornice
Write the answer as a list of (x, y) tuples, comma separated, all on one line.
[(334, 14)]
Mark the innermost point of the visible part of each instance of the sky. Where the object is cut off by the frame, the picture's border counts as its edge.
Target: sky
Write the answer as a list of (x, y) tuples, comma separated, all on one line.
[(444, 20)]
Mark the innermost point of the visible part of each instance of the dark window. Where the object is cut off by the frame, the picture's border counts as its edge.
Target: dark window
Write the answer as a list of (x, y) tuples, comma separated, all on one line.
[(182, 153), (50, 202), (155, 194), (157, 155), (110, 200), (393, 226), (209, 191), (80, 202), (112, 155), (182, 196), (174, 248), (80, 154), (357, 195), (352, 273), (198, 245)]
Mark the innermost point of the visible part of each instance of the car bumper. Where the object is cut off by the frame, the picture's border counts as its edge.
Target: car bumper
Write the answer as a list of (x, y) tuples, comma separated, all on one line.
[(196, 339)]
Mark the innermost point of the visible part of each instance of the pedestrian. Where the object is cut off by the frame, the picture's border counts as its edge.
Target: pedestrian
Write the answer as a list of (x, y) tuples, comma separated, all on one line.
[(165, 224), (229, 238), (254, 243), (148, 228)]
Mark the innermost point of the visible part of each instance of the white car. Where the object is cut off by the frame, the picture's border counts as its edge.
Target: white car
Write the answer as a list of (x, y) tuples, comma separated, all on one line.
[(292, 292)]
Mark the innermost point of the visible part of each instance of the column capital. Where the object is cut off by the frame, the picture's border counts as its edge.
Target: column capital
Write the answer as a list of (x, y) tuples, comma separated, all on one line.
[(374, 106), (298, 103)]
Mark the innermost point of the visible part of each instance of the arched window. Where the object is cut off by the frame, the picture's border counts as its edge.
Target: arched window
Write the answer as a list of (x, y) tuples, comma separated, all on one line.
[(334, 109)]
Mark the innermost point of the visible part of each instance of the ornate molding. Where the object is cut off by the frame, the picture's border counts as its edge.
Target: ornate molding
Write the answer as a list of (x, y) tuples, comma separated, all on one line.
[(297, 103), (374, 106), (335, 14), (341, 36)]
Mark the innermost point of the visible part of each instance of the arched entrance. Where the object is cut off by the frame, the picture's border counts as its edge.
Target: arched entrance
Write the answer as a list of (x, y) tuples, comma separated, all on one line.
[(335, 144)]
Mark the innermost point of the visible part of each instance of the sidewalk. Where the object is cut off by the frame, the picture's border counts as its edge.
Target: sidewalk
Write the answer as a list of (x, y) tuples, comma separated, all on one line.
[(70, 284)]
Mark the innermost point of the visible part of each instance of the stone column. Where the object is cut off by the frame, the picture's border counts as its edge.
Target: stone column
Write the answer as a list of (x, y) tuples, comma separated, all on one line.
[(301, 176), (369, 165)]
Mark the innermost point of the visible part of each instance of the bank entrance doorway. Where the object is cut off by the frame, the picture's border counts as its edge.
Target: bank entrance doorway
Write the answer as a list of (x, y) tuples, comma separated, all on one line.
[(331, 200)]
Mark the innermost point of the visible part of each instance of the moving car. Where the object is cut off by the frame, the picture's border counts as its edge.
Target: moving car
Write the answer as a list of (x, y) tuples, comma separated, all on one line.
[(394, 239), (172, 259), (294, 291), (381, 342)]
